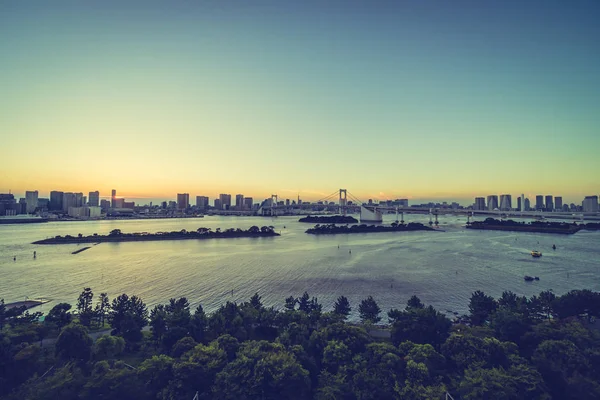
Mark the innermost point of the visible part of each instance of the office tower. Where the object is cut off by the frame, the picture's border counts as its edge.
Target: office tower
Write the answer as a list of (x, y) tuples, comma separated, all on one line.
[(22, 206), (202, 202), (94, 199), (492, 202), (8, 204), (104, 205), (519, 204), (79, 199), (590, 204), (539, 202), (69, 200), (527, 205), (128, 204), (248, 203), (31, 197), (113, 197), (56, 199), (183, 201), (558, 203), (163, 205), (479, 204), (287, 202), (549, 203), (522, 203), (239, 202), (225, 201), (218, 205), (119, 203), (505, 202)]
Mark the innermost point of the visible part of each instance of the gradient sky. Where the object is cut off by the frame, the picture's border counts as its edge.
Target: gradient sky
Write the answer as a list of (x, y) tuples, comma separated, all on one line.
[(419, 99)]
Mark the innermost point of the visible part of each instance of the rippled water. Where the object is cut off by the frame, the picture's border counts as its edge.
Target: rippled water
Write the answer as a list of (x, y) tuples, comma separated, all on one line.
[(442, 268)]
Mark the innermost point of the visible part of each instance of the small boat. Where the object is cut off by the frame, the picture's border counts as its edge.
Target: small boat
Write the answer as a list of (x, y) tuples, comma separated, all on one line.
[(553, 247), (535, 253), (528, 278), (537, 278)]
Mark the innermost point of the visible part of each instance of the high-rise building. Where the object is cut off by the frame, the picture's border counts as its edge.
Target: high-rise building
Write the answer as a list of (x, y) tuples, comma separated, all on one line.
[(225, 201), (527, 205), (69, 200), (505, 202), (31, 197), (248, 203), (8, 204), (119, 203), (590, 204), (218, 205), (239, 202), (202, 202), (183, 201), (94, 199), (539, 202), (113, 197), (104, 205), (522, 203), (558, 203), (492, 202), (56, 199), (479, 204), (549, 203)]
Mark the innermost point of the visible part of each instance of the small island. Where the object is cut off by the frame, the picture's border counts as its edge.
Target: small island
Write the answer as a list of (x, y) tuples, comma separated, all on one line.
[(333, 229), (201, 233), (534, 226), (329, 219)]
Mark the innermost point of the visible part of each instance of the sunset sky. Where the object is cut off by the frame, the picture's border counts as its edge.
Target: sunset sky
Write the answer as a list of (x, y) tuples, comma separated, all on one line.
[(419, 99)]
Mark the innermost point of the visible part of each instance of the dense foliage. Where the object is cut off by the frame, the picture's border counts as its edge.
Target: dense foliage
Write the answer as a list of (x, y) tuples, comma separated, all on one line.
[(543, 347)]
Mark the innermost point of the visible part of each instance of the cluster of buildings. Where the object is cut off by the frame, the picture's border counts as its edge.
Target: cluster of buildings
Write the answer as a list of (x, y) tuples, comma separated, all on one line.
[(222, 203), (546, 203)]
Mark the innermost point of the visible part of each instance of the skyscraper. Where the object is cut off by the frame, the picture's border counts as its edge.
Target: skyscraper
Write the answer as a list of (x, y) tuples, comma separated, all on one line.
[(549, 203), (522, 203), (492, 201), (527, 205), (248, 203), (218, 205), (539, 202), (113, 197), (202, 202), (239, 202), (183, 201), (94, 199), (31, 197), (558, 203), (505, 202), (225, 201), (68, 201), (56, 199), (590, 204), (479, 204)]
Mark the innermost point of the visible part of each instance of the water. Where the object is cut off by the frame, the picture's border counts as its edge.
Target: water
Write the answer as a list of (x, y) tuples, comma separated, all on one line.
[(442, 268)]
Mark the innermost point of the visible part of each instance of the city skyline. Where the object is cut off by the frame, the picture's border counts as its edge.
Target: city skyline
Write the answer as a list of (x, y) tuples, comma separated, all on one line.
[(425, 101)]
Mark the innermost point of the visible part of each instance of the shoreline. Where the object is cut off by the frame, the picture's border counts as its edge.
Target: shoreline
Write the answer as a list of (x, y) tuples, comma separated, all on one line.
[(345, 229)]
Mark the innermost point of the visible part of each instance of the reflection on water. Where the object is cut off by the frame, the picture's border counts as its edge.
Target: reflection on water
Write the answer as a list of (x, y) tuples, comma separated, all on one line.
[(442, 268)]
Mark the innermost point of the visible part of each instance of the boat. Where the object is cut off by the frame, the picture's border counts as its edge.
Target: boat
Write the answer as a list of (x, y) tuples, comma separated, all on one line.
[(535, 253), (553, 247), (528, 278)]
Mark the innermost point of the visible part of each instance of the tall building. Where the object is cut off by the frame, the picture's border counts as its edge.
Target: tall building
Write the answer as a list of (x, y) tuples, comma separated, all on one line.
[(68, 201), (94, 199), (248, 203), (113, 197), (539, 202), (56, 199), (202, 202), (104, 205), (239, 202), (225, 201), (549, 203), (479, 204), (492, 202), (522, 203), (527, 205), (8, 204), (218, 205), (505, 202), (558, 203), (31, 197), (590, 204), (183, 201)]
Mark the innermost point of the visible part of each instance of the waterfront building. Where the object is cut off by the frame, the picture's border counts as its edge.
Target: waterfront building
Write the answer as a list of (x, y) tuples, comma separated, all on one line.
[(202, 202), (549, 203), (590, 204), (128, 204), (31, 197), (539, 202), (22, 206), (163, 205), (68, 201), (104, 205), (225, 201), (558, 204), (94, 199), (519, 204), (94, 212), (56, 199), (119, 203), (505, 202), (248, 203), (113, 197), (527, 205), (218, 205), (8, 204), (492, 202), (522, 203), (479, 204), (183, 201), (239, 202)]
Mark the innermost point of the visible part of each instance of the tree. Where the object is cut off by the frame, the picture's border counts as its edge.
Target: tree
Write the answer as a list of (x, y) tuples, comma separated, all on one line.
[(419, 325), (102, 308), (481, 307), (108, 346), (74, 343), (255, 302), (128, 315), (2, 313), (304, 303), (290, 303), (59, 315), (342, 307), (414, 302), (115, 232), (84, 307), (198, 324), (369, 311)]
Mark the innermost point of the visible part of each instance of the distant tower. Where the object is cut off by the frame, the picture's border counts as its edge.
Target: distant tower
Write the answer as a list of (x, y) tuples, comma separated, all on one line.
[(523, 202), (113, 198)]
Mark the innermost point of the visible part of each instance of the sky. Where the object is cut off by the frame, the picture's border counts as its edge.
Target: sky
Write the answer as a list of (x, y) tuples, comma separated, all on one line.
[(389, 99)]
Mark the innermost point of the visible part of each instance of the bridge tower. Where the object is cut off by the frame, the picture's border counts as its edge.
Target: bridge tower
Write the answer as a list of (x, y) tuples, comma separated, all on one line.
[(274, 201), (343, 201)]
